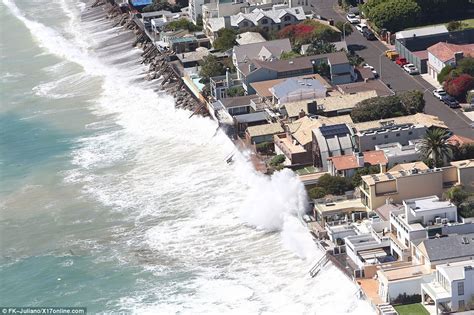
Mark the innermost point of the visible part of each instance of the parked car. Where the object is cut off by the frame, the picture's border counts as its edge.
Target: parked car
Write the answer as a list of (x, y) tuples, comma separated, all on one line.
[(439, 93), (401, 61), (410, 68), (450, 101), (368, 34), (361, 27), (371, 69), (352, 18), (391, 54), (319, 17)]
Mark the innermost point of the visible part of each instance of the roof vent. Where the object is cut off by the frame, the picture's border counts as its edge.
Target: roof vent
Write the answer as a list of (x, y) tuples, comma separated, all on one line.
[(465, 240)]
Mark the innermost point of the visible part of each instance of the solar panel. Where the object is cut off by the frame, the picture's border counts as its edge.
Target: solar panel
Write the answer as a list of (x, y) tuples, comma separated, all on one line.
[(334, 130)]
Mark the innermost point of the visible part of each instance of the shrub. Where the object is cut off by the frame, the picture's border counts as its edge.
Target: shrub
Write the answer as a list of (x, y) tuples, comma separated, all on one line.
[(466, 210), (457, 195), (395, 15), (366, 170), (405, 103), (210, 67), (289, 55), (225, 39), (407, 299), (454, 26), (344, 26), (307, 31), (182, 24), (458, 86), (320, 47), (264, 147), (277, 160), (317, 192), (444, 73), (236, 91), (335, 185)]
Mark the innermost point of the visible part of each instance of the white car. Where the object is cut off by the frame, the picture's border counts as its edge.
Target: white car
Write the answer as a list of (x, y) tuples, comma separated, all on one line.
[(360, 27), (371, 69), (410, 68), (352, 18), (439, 93)]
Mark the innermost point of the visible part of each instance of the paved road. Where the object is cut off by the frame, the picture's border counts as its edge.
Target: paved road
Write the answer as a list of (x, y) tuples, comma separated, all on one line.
[(394, 75)]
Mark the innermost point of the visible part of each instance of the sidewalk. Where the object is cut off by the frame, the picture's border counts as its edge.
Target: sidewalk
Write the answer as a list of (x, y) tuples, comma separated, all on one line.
[(430, 80)]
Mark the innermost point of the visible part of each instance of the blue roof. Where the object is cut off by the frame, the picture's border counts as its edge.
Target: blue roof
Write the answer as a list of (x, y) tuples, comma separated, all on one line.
[(137, 3)]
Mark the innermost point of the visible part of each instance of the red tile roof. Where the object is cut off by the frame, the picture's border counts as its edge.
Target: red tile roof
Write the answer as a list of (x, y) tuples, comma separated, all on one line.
[(445, 51), (344, 162), (459, 140), (375, 157), (348, 162)]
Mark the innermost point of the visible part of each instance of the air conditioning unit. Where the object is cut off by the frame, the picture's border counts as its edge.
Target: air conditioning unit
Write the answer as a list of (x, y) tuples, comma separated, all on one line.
[(438, 220), (444, 221)]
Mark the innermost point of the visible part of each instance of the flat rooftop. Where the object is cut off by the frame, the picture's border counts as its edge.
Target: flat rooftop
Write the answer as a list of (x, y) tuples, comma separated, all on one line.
[(405, 272), (419, 205), (340, 206)]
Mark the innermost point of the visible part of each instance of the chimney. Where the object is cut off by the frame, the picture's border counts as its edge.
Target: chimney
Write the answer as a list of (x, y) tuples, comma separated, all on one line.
[(251, 67), (228, 79), (301, 113), (360, 159), (458, 56), (227, 21)]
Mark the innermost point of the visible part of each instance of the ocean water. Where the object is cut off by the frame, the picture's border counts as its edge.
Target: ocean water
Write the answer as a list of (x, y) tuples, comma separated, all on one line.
[(112, 199)]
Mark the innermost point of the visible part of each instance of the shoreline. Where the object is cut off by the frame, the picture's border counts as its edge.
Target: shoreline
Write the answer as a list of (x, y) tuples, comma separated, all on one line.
[(173, 83), (159, 68)]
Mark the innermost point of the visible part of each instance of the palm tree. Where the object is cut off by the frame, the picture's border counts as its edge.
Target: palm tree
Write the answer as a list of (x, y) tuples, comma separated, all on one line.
[(435, 145)]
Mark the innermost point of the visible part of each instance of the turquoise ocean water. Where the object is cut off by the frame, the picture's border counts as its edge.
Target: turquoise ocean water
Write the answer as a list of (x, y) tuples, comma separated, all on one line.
[(111, 199)]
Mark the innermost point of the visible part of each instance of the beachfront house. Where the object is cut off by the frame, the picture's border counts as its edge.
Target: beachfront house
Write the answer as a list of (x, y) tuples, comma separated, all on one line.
[(452, 289)]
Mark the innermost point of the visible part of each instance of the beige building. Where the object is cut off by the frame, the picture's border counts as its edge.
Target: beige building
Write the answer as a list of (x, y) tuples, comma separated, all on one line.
[(406, 183)]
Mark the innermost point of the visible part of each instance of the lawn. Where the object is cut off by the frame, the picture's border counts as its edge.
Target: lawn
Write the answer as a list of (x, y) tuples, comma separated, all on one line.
[(468, 23), (411, 309), (306, 170)]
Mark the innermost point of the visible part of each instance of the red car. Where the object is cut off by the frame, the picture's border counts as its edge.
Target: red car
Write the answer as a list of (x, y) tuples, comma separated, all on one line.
[(401, 61)]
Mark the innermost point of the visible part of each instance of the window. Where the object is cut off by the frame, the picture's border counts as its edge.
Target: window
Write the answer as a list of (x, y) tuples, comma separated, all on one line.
[(264, 21), (398, 135), (245, 24), (287, 18), (374, 138), (461, 288), (461, 305), (386, 136), (410, 133)]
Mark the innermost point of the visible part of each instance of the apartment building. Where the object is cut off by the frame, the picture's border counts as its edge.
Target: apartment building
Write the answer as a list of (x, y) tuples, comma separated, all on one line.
[(397, 185), (452, 289), (419, 219)]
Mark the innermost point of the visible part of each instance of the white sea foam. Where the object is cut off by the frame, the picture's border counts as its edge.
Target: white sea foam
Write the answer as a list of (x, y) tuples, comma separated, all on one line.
[(168, 173)]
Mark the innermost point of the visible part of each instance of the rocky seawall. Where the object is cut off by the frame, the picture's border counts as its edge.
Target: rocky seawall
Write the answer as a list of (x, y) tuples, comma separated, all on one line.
[(158, 66)]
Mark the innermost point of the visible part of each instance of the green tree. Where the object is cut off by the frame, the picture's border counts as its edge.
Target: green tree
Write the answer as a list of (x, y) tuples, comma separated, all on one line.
[(457, 195), (225, 39), (319, 47), (236, 91), (277, 160), (210, 67), (413, 101), (463, 152), (454, 26), (182, 24), (444, 73), (344, 26), (289, 55), (435, 145), (326, 34), (369, 5), (395, 15), (466, 66), (317, 192), (335, 185), (366, 170)]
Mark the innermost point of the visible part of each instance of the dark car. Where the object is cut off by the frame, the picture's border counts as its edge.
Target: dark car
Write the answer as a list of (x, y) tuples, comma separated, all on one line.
[(450, 101), (368, 34)]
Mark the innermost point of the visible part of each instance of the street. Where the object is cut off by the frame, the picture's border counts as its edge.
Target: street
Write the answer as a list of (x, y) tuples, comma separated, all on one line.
[(394, 75)]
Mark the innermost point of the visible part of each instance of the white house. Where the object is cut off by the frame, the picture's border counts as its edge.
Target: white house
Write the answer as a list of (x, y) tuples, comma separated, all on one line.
[(452, 289), (413, 222), (443, 54)]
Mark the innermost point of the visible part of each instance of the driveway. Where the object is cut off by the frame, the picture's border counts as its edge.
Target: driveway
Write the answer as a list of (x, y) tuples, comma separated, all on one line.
[(394, 75)]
